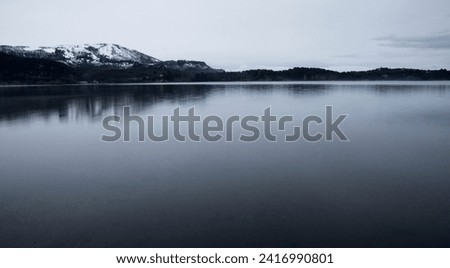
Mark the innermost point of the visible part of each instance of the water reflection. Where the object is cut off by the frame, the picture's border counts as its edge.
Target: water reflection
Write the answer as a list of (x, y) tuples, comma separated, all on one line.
[(95, 101), (60, 186), (91, 102)]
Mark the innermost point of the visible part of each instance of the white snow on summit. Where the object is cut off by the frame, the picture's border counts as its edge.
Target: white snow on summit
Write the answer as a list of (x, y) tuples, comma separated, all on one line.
[(101, 54), (95, 54)]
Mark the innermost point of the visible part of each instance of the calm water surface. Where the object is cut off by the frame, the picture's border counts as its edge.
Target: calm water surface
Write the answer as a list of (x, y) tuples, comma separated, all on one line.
[(389, 186)]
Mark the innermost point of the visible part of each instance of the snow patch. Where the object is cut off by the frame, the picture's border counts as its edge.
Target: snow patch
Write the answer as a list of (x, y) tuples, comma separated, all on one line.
[(95, 54)]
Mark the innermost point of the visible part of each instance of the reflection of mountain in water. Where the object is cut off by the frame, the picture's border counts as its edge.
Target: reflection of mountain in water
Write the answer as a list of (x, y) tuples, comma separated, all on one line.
[(89, 101), (96, 101)]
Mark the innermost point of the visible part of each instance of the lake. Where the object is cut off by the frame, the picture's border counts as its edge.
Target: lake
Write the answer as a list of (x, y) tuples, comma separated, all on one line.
[(387, 186)]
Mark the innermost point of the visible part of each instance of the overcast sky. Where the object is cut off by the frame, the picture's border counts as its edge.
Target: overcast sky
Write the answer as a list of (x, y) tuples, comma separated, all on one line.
[(243, 34)]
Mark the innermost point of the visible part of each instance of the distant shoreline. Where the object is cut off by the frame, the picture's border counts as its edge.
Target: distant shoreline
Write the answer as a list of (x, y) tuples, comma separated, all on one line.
[(326, 82), (32, 71)]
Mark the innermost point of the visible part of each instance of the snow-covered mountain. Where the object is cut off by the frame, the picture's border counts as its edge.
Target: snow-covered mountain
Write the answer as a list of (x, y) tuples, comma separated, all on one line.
[(87, 54)]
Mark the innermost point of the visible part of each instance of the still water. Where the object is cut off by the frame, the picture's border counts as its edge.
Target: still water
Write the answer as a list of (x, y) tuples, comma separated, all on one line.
[(388, 186)]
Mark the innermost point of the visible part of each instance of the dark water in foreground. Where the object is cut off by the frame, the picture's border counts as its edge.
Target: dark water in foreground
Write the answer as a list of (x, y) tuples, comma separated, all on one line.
[(60, 186)]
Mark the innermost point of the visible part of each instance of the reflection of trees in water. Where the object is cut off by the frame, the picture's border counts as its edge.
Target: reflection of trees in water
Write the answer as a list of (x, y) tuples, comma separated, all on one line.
[(80, 102), (296, 90), (401, 89), (95, 101)]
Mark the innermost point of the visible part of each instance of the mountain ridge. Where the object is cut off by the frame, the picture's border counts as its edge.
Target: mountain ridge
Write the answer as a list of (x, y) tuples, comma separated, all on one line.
[(111, 63), (100, 54), (87, 54)]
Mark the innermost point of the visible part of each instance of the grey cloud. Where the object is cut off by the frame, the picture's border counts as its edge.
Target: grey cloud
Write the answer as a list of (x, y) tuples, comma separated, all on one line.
[(434, 41)]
